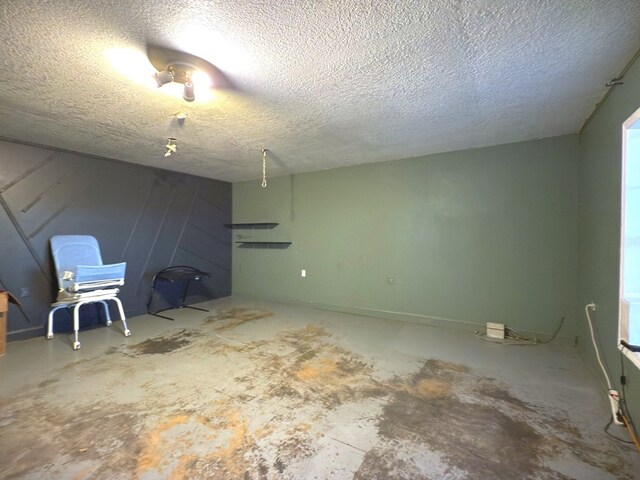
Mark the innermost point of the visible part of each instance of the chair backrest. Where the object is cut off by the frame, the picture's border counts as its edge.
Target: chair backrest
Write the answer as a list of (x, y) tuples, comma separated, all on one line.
[(70, 251)]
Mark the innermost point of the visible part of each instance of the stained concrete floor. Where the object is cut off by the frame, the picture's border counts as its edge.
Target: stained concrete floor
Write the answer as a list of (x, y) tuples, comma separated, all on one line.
[(258, 390)]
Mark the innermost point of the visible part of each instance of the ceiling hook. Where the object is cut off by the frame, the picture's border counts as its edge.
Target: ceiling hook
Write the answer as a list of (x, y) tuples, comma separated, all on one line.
[(264, 167)]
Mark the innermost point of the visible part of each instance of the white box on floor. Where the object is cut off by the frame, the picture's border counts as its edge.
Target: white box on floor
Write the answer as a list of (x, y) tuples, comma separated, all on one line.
[(495, 330)]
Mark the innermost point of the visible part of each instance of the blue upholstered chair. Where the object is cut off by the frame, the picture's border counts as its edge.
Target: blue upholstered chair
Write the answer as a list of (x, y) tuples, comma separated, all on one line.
[(82, 278)]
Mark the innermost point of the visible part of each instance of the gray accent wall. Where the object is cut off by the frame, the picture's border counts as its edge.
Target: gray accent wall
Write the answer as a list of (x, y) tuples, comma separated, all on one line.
[(149, 218), (599, 231), (460, 238)]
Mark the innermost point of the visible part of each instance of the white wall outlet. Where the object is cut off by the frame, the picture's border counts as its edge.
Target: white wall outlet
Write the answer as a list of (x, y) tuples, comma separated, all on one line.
[(303, 273)]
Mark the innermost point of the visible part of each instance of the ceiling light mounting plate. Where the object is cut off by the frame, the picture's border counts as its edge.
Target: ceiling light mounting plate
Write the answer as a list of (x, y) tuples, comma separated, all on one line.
[(181, 67), (166, 59), (181, 72)]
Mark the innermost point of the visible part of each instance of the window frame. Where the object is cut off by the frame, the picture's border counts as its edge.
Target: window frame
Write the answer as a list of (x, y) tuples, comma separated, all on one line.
[(623, 306)]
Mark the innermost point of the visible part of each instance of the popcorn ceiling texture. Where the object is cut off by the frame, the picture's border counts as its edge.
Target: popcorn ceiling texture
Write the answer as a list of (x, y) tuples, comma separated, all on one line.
[(322, 84)]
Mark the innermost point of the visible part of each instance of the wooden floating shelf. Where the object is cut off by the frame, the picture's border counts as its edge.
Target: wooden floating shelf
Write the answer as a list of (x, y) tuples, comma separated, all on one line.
[(264, 244), (251, 242), (257, 243), (251, 225)]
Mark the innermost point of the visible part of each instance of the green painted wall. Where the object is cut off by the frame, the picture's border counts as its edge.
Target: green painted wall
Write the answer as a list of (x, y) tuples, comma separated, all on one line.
[(471, 236), (599, 227)]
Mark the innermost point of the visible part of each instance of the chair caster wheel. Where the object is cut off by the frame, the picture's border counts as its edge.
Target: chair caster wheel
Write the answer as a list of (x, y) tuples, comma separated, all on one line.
[(127, 333), (109, 323), (49, 336), (76, 345)]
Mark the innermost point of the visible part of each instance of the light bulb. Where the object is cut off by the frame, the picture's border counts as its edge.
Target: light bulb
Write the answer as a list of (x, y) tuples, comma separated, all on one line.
[(163, 77), (201, 80), (188, 93)]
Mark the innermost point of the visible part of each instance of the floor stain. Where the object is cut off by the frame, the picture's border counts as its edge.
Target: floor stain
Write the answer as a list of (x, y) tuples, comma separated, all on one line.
[(173, 448), (431, 389), (164, 343), (474, 438), (381, 464), (233, 317), (489, 434), (490, 389), (323, 374), (66, 438), (46, 383), (274, 411), (317, 370)]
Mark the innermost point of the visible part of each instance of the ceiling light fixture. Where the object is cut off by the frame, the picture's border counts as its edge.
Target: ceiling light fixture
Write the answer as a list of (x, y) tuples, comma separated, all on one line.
[(180, 67)]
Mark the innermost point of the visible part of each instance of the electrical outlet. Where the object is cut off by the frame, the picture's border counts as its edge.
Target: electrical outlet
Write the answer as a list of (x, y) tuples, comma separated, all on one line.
[(303, 273)]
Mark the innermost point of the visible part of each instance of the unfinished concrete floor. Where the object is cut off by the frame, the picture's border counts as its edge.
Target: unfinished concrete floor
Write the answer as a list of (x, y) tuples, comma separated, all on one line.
[(258, 390)]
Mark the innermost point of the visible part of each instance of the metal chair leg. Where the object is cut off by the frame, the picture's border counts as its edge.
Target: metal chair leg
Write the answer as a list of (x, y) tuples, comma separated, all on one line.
[(76, 317), (76, 324), (127, 332), (106, 312), (50, 320)]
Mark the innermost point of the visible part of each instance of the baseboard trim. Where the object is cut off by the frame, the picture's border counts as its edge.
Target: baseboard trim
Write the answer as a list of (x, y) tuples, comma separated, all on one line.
[(408, 317), (25, 333)]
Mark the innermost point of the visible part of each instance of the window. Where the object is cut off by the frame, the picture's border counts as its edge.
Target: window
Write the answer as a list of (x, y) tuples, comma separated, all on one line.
[(629, 325)]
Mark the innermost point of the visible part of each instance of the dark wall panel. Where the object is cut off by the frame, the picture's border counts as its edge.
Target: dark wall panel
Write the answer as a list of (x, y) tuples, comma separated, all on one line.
[(209, 219), (148, 217)]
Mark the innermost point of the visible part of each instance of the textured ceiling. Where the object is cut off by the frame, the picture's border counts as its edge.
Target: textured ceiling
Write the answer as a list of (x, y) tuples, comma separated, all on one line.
[(321, 84)]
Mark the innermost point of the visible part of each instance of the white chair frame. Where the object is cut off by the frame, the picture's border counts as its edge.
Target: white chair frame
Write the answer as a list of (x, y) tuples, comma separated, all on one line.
[(76, 315)]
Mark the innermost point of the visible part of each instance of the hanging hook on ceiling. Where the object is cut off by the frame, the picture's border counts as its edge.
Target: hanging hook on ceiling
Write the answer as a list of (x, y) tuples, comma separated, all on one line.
[(264, 167), (170, 147), (180, 116)]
